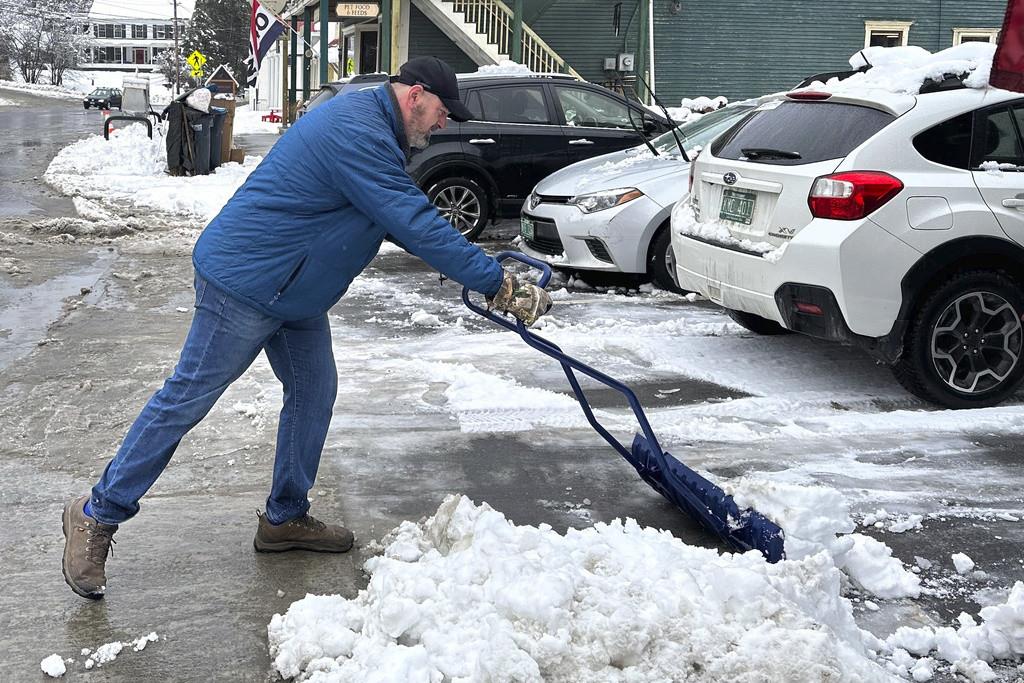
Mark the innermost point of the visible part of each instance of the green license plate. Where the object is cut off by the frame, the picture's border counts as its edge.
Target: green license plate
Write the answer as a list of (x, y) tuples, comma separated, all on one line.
[(737, 205), (526, 228)]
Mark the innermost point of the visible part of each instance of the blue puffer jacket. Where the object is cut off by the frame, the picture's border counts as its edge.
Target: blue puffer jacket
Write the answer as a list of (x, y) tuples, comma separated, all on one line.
[(313, 214)]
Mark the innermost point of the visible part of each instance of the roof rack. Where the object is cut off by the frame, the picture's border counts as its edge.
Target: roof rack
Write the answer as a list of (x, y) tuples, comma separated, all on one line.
[(522, 74), (946, 82), (826, 76)]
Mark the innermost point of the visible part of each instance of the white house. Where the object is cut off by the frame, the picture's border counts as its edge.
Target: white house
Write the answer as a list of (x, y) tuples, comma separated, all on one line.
[(131, 36)]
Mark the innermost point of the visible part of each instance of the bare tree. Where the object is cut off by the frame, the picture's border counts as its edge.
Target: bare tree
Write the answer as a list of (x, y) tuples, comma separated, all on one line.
[(39, 35)]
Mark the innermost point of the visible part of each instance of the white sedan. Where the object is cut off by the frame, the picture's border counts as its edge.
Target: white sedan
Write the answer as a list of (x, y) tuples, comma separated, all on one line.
[(611, 213)]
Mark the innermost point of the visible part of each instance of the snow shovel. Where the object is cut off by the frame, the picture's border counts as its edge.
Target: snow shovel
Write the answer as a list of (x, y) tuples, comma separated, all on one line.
[(690, 492)]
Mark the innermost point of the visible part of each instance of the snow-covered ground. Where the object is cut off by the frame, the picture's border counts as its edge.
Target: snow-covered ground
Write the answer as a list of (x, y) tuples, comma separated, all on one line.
[(818, 438)]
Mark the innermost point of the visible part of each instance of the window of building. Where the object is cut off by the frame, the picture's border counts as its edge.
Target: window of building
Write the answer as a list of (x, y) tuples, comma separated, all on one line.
[(975, 35), (140, 31), (108, 55), (108, 30), (163, 31), (886, 33)]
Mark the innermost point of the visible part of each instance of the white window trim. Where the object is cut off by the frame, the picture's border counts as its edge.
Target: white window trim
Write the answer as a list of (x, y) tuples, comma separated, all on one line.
[(358, 30), (902, 26), (960, 33)]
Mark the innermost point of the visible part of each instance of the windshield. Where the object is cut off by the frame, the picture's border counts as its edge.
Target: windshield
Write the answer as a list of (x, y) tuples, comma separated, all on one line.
[(99, 92), (703, 130)]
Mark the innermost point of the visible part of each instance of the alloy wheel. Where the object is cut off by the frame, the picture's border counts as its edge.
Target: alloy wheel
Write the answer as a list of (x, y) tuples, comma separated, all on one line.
[(976, 342), (459, 206)]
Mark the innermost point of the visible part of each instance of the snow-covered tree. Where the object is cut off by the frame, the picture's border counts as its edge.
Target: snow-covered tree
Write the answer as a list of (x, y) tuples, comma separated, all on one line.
[(219, 29), (37, 35)]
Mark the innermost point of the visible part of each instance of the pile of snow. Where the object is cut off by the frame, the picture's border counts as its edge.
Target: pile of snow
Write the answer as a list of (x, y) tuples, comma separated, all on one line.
[(6, 103), (505, 67), (129, 170), (903, 70), (692, 109), (467, 595), (971, 647)]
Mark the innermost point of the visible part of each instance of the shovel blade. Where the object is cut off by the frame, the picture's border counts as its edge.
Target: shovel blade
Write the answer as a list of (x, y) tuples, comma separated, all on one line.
[(707, 503)]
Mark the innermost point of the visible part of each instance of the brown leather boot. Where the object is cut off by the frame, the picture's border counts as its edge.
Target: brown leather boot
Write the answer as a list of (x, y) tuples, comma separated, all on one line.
[(86, 545), (303, 533)]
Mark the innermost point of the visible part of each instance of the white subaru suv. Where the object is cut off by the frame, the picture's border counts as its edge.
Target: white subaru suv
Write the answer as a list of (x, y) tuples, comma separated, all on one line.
[(886, 220)]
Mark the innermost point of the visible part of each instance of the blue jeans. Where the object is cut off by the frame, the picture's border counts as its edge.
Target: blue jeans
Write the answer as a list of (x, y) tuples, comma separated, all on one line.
[(225, 338)]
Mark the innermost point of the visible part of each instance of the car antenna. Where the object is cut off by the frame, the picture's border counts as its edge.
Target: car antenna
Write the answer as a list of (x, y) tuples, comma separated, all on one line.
[(672, 123), (643, 136)]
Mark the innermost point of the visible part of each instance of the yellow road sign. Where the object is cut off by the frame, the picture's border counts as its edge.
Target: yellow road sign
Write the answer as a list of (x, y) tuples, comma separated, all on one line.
[(196, 61)]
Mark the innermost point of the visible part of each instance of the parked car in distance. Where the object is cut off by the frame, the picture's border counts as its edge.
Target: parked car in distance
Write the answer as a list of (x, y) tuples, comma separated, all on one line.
[(334, 88), (103, 98), (611, 213), (892, 222), (525, 127)]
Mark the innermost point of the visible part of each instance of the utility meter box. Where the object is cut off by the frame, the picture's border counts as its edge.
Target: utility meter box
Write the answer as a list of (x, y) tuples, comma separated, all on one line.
[(626, 61), (611, 63)]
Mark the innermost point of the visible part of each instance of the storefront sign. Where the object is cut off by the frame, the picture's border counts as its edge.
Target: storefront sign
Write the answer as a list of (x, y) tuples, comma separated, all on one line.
[(356, 9)]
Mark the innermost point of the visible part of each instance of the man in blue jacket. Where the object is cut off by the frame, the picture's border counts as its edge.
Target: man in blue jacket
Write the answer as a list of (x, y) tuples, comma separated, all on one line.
[(281, 252)]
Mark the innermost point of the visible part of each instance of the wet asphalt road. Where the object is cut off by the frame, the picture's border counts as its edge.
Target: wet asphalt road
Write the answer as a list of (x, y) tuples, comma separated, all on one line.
[(31, 133), (89, 329)]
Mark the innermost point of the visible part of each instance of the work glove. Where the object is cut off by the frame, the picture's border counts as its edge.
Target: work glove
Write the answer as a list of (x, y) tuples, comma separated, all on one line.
[(524, 300)]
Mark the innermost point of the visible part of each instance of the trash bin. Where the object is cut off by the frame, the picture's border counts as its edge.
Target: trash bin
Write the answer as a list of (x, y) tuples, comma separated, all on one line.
[(220, 115), (202, 130)]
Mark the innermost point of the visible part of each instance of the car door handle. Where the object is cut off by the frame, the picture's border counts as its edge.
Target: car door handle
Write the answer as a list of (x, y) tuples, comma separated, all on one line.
[(1013, 203), (482, 141), (580, 141)]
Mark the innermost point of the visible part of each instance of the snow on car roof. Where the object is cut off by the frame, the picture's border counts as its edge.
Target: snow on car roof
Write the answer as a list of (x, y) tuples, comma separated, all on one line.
[(896, 74)]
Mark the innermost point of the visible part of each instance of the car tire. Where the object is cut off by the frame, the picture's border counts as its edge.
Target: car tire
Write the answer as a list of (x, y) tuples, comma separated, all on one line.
[(660, 262), (463, 203), (85, 104), (964, 347), (755, 323)]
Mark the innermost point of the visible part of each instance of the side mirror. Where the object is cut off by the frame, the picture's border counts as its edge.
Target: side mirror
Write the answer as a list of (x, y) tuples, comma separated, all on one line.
[(650, 126)]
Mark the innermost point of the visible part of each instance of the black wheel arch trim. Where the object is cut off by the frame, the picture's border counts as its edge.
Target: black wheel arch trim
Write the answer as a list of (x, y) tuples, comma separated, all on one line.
[(429, 175)]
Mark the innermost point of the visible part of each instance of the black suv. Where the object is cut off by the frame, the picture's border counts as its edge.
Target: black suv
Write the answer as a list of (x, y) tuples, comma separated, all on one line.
[(103, 98), (523, 129)]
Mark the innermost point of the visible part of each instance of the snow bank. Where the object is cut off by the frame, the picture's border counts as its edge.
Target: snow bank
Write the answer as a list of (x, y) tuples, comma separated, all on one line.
[(467, 595), (129, 170), (904, 70)]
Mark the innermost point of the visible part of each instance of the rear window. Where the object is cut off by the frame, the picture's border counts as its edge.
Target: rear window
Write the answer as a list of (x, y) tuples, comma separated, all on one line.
[(794, 133)]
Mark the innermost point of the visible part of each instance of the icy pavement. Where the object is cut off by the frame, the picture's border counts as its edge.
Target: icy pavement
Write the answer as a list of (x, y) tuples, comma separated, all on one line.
[(899, 516)]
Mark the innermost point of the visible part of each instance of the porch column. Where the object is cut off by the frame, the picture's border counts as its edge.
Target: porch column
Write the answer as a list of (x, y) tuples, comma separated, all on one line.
[(307, 38), (286, 98), (384, 37), (516, 53), (293, 67), (325, 37)]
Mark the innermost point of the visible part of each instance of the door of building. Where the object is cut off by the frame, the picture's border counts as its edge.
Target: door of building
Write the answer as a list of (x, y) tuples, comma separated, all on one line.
[(367, 52), (140, 55)]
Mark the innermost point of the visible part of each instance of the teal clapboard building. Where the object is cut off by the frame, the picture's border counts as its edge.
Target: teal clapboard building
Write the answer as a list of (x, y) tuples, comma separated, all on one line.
[(738, 49), (741, 48)]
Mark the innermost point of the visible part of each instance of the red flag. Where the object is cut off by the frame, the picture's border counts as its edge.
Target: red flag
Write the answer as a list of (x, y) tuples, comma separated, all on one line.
[(1008, 63)]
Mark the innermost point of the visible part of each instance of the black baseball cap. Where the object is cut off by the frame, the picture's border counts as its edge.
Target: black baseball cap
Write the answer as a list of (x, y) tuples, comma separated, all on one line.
[(438, 78)]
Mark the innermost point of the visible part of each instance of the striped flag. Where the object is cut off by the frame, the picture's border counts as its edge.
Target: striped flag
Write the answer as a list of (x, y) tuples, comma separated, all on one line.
[(263, 31), (1008, 63)]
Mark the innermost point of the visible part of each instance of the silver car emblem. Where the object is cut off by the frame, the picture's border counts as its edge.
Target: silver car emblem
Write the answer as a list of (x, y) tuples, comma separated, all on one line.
[(729, 178), (534, 200)]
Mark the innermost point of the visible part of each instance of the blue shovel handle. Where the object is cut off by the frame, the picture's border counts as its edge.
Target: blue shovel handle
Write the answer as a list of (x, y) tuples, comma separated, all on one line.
[(569, 364)]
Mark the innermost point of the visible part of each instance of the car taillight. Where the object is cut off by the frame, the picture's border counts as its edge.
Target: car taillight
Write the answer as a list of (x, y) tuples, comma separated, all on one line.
[(851, 195)]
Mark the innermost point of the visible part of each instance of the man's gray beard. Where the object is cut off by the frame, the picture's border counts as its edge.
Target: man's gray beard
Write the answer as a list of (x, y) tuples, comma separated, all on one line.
[(420, 142)]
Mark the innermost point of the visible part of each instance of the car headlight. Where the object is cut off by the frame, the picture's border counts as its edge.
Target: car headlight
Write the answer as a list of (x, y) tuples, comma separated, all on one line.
[(606, 199)]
